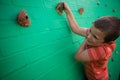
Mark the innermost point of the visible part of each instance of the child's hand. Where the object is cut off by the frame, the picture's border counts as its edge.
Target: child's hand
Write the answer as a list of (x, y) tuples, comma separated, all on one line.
[(66, 8), (60, 8), (63, 7)]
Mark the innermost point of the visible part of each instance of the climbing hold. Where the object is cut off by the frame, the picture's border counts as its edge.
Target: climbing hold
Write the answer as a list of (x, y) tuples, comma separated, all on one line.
[(81, 10), (114, 10), (112, 59), (60, 8), (23, 19), (106, 5), (110, 74), (98, 3)]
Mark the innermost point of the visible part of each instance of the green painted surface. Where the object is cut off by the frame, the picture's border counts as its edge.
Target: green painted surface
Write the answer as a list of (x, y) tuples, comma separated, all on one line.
[(45, 50)]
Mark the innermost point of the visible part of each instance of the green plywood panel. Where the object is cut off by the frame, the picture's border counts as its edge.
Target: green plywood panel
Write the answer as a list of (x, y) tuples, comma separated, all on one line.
[(45, 50)]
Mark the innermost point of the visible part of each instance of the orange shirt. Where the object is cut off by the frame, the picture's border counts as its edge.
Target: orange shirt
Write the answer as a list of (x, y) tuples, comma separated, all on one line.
[(97, 68)]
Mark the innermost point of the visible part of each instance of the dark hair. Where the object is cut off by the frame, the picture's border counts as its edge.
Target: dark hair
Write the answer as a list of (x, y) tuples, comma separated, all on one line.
[(110, 26)]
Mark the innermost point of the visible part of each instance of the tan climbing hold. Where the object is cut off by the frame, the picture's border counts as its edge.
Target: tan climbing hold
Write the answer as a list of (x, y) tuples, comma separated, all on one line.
[(23, 18), (81, 10)]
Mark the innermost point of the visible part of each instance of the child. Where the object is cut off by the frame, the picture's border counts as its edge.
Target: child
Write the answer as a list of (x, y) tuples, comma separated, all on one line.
[(97, 49)]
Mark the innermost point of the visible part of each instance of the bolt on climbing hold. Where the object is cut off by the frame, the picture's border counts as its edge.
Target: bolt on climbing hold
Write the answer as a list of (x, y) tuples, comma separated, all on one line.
[(106, 5), (23, 19), (110, 74), (98, 3), (81, 10), (60, 8), (112, 59), (114, 10)]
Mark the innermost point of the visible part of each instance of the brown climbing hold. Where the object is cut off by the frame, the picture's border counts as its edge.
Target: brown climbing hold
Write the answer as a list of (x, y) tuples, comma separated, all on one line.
[(81, 10), (23, 19), (60, 8)]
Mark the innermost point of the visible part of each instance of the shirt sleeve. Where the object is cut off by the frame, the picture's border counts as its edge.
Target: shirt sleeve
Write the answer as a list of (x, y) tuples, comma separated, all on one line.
[(101, 52)]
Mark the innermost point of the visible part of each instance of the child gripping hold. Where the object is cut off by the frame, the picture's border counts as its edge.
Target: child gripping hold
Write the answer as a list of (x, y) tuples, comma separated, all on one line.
[(99, 43)]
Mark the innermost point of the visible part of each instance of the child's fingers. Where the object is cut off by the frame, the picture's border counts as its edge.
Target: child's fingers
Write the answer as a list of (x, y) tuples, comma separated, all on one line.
[(60, 7)]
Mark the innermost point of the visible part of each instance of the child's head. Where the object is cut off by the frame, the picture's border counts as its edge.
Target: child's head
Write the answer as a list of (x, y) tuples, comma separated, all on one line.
[(110, 26)]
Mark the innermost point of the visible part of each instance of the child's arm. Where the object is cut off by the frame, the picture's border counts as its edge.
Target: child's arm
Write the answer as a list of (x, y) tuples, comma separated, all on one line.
[(93, 53), (82, 53), (73, 24)]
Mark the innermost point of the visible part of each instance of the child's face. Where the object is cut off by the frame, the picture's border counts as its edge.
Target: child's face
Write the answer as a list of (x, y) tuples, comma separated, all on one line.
[(95, 37)]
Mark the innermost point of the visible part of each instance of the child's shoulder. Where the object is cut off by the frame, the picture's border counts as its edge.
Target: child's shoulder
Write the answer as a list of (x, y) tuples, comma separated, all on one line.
[(111, 45)]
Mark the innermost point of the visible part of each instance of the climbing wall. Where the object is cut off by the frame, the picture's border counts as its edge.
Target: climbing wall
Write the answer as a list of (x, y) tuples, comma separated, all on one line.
[(45, 50)]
